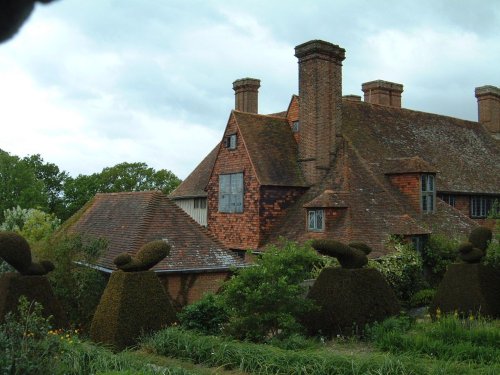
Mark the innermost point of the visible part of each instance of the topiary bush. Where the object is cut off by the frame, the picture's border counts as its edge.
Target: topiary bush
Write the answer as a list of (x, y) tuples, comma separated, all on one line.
[(148, 256), (480, 237), (348, 300), (133, 304), (16, 251), (469, 289), (348, 256)]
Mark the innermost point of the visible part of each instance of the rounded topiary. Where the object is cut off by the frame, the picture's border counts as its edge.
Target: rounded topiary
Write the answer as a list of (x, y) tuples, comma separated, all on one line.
[(348, 256), (470, 254), (147, 257), (133, 303), (348, 299), (16, 251), (361, 246), (480, 237), (469, 288)]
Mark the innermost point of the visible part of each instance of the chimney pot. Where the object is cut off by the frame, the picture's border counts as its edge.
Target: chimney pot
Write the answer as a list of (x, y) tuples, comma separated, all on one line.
[(488, 103), (383, 93), (246, 95)]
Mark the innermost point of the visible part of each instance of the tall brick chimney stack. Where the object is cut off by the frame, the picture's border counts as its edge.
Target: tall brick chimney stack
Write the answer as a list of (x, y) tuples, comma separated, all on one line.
[(246, 95), (320, 114), (488, 104), (383, 92)]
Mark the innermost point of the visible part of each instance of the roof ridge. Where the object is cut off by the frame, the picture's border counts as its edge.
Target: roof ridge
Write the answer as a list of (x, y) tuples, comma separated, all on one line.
[(147, 217)]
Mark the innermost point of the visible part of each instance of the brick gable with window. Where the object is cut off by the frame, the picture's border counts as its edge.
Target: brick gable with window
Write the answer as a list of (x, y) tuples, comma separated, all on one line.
[(234, 229)]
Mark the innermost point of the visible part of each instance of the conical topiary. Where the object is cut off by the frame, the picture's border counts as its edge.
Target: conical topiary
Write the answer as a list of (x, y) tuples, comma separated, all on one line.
[(134, 301)]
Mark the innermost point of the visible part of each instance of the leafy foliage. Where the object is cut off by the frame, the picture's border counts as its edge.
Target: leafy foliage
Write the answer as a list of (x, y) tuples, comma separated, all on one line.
[(34, 225), (265, 300), (402, 270), (492, 257), (19, 185), (23, 341), (439, 252), (207, 315), (121, 177), (77, 286)]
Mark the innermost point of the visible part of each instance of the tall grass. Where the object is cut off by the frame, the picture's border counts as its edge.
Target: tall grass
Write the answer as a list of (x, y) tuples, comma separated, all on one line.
[(265, 359), (449, 338)]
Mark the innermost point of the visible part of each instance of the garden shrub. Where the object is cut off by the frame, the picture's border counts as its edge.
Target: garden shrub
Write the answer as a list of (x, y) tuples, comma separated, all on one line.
[(423, 297), (77, 286), (469, 289), (16, 251), (480, 237), (348, 300), (34, 289), (24, 345), (492, 257), (402, 269), (348, 256), (439, 252), (133, 303), (148, 256), (207, 315), (266, 299)]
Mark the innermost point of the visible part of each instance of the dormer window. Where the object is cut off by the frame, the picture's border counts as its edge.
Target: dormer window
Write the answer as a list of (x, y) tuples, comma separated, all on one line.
[(230, 141), (428, 193), (315, 220), (295, 126)]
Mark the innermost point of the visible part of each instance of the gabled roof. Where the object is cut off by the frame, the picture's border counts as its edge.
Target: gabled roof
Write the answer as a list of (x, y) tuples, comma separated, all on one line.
[(129, 220), (466, 156), (194, 185), (271, 148), (375, 209)]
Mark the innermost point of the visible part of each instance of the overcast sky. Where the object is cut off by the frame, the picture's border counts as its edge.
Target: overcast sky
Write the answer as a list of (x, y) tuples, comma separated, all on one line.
[(89, 84)]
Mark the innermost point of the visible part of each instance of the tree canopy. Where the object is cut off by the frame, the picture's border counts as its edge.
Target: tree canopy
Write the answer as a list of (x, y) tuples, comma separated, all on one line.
[(31, 182)]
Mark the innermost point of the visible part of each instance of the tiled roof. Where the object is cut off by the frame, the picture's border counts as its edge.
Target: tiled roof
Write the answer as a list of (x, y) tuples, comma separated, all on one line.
[(463, 152), (129, 220), (271, 147), (194, 185), (375, 209)]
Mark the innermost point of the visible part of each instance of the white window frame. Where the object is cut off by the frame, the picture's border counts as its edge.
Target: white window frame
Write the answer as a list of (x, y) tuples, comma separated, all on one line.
[(481, 206), (231, 141), (295, 126), (316, 220), (428, 193), (231, 193)]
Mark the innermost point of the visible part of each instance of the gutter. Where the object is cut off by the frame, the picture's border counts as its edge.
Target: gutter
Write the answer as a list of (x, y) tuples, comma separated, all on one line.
[(162, 272)]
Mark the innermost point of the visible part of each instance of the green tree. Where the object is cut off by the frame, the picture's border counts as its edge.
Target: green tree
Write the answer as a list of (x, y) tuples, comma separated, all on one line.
[(32, 224), (265, 300), (53, 179), (19, 185), (122, 177)]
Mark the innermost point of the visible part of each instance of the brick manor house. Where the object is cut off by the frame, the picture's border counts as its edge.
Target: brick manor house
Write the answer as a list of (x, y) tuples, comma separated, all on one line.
[(330, 166), (334, 166)]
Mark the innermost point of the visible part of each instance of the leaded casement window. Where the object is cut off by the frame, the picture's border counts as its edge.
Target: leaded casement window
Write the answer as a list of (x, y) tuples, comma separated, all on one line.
[(481, 206), (418, 242), (231, 192), (230, 141), (316, 220), (428, 193), (295, 126), (448, 198)]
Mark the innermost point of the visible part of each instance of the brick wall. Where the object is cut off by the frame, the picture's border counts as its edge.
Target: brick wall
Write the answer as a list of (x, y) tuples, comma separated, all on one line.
[(235, 230), (462, 204), (187, 288), (293, 115), (273, 202), (409, 185)]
